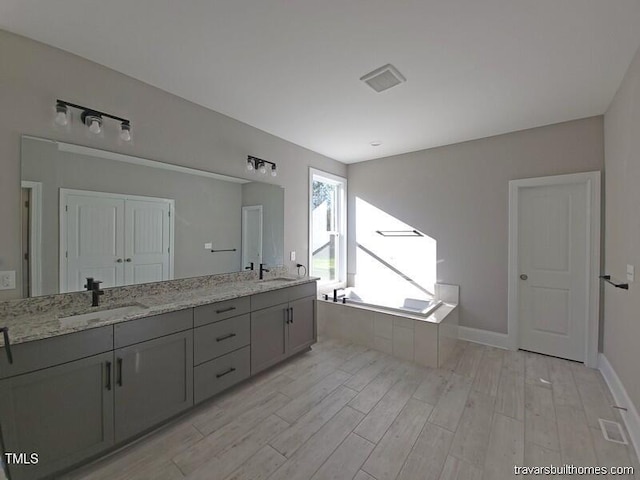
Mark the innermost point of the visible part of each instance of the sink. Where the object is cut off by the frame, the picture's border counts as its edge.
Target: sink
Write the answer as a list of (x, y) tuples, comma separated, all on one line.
[(279, 279), (101, 315)]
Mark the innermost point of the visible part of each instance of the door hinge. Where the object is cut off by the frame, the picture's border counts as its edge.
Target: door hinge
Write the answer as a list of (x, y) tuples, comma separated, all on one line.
[(66, 254), (169, 213), (26, 256), (66, 208), (26, 203)]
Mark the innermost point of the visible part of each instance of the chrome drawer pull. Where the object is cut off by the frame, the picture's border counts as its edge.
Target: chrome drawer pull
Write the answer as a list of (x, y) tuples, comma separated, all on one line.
[(225, 337), (224, 310), (226, 372)]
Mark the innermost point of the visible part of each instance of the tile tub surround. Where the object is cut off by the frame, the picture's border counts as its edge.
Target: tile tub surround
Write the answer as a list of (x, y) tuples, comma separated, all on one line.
[(428, 342), (38, 318)]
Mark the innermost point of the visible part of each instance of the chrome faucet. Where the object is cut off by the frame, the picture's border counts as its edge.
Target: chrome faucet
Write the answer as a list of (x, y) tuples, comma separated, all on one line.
[(262, 270), (94, 287)]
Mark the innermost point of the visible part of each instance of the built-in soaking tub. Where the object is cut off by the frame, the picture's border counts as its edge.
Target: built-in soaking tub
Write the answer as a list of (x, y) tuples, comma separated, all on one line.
[(424, 331)]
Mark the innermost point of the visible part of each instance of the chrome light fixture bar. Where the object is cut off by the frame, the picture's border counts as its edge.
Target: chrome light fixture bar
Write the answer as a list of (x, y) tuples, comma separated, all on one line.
[(92, 118), (260, 165)]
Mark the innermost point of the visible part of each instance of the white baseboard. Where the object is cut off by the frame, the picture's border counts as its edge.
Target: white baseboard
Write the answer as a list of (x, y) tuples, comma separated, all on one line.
[(621, 397), (485, 337)]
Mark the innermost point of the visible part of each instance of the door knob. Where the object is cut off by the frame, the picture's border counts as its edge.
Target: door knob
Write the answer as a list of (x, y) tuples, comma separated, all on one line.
[(524, 276), (128, 260), (119, 260)]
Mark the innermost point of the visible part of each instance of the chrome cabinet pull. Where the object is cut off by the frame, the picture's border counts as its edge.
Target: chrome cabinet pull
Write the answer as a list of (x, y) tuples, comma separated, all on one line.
[(119, 260), (128, 260), (225, 337), (226, 372), (524, 276)]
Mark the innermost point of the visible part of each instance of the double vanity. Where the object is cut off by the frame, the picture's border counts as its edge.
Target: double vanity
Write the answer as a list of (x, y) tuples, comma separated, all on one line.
[(77, 381)]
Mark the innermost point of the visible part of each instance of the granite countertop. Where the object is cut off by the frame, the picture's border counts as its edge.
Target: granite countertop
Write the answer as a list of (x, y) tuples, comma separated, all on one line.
[(39, 325)]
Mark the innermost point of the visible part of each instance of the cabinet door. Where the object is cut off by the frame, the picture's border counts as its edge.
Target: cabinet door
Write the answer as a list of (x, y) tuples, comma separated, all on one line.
[(302, 326), (64, 414), (153, 382), (268, 337)]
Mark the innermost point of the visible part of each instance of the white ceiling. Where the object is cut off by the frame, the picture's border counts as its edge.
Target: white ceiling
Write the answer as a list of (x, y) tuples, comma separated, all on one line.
[(474, 68)]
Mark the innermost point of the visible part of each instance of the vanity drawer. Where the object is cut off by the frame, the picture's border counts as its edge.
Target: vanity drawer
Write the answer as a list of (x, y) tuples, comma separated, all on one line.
[(217, 375), (217, 339), (221, 310), (301, 291), (143, 329), (31, 356), (269, 299)]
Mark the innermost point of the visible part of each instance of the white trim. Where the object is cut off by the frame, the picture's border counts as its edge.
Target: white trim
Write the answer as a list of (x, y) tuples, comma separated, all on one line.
[(484, 337), (342, 220), (622, 399), (35, 240), (592, 181), (119, 157), (245, 209), (62, 247)]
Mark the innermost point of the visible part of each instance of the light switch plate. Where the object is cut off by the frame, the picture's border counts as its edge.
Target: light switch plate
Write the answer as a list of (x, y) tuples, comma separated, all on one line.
[(630, 273), (208, 246), (8, 280), (293, 256)]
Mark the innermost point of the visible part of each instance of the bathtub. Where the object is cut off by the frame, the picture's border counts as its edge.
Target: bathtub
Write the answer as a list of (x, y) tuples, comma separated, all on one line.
[(424, 331), (394, 304)]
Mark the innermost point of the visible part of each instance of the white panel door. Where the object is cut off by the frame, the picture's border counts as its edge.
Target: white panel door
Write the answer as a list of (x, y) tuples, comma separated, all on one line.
[(94, 237), (251, 235), (553, 257), (147, 241)]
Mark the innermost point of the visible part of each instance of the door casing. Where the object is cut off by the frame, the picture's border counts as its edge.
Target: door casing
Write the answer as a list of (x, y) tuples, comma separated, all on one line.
[(593, 185)]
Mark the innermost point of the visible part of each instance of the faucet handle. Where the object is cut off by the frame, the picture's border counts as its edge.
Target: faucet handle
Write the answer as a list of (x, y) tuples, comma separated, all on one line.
[(89, 284)]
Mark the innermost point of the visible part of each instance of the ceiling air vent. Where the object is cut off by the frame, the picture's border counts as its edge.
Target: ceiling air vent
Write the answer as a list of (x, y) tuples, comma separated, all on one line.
[(383, 78)]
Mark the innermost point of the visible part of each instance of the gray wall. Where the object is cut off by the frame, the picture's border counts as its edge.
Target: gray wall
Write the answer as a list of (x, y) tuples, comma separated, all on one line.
[(272, 219), (622, 230), (458, 195), (202, 205), (165, 128)]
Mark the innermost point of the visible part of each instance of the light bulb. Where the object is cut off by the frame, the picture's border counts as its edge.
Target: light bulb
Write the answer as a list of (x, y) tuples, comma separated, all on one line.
[(61, 118), (273, 171), (95, 127), (249, 165), (125, 132), (263, 168)]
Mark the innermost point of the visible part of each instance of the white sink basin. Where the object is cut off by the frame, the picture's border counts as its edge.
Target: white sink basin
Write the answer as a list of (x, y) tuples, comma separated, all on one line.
[(101, 315), (279, 279)]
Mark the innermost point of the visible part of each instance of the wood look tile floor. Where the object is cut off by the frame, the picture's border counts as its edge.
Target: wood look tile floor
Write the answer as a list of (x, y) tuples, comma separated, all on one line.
[(344, 412)]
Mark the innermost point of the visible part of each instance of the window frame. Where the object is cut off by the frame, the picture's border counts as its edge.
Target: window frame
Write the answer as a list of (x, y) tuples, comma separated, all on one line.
[(341, 221)]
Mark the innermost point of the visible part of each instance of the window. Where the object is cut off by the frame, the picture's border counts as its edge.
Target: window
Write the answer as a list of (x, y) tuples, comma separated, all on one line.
[(327, 228)]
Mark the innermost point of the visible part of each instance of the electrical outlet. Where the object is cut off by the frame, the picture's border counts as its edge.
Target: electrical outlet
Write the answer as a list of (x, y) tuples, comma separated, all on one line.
[(8, 280), (208, 246), (630, 273), (293, 256)]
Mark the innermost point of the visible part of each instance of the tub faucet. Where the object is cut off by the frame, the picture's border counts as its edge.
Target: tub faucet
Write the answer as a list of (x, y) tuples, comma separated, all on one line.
[(262, 270), (336, 296)]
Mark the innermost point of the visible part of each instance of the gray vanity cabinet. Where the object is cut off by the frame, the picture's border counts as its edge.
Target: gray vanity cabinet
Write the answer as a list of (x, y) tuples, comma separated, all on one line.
[(153, 382), (280, 329), (269, 339), (302, 325), (62, 413)]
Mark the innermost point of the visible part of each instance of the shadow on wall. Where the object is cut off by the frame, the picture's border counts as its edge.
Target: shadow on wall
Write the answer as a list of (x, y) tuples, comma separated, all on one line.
[(392, 258)]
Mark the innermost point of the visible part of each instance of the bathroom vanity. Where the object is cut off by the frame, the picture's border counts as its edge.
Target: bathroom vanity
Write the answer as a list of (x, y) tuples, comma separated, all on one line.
[(72, 390)]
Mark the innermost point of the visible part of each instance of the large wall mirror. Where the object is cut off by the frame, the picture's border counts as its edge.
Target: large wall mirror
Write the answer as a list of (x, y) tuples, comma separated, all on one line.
[(126, 220)]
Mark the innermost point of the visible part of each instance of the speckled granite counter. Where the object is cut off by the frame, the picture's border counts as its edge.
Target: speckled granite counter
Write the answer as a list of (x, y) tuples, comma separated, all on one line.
[(38, 318)]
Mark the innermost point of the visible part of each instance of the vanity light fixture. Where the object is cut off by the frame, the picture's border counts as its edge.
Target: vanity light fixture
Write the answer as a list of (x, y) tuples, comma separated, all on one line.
[(93, 119), (260, 165)]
